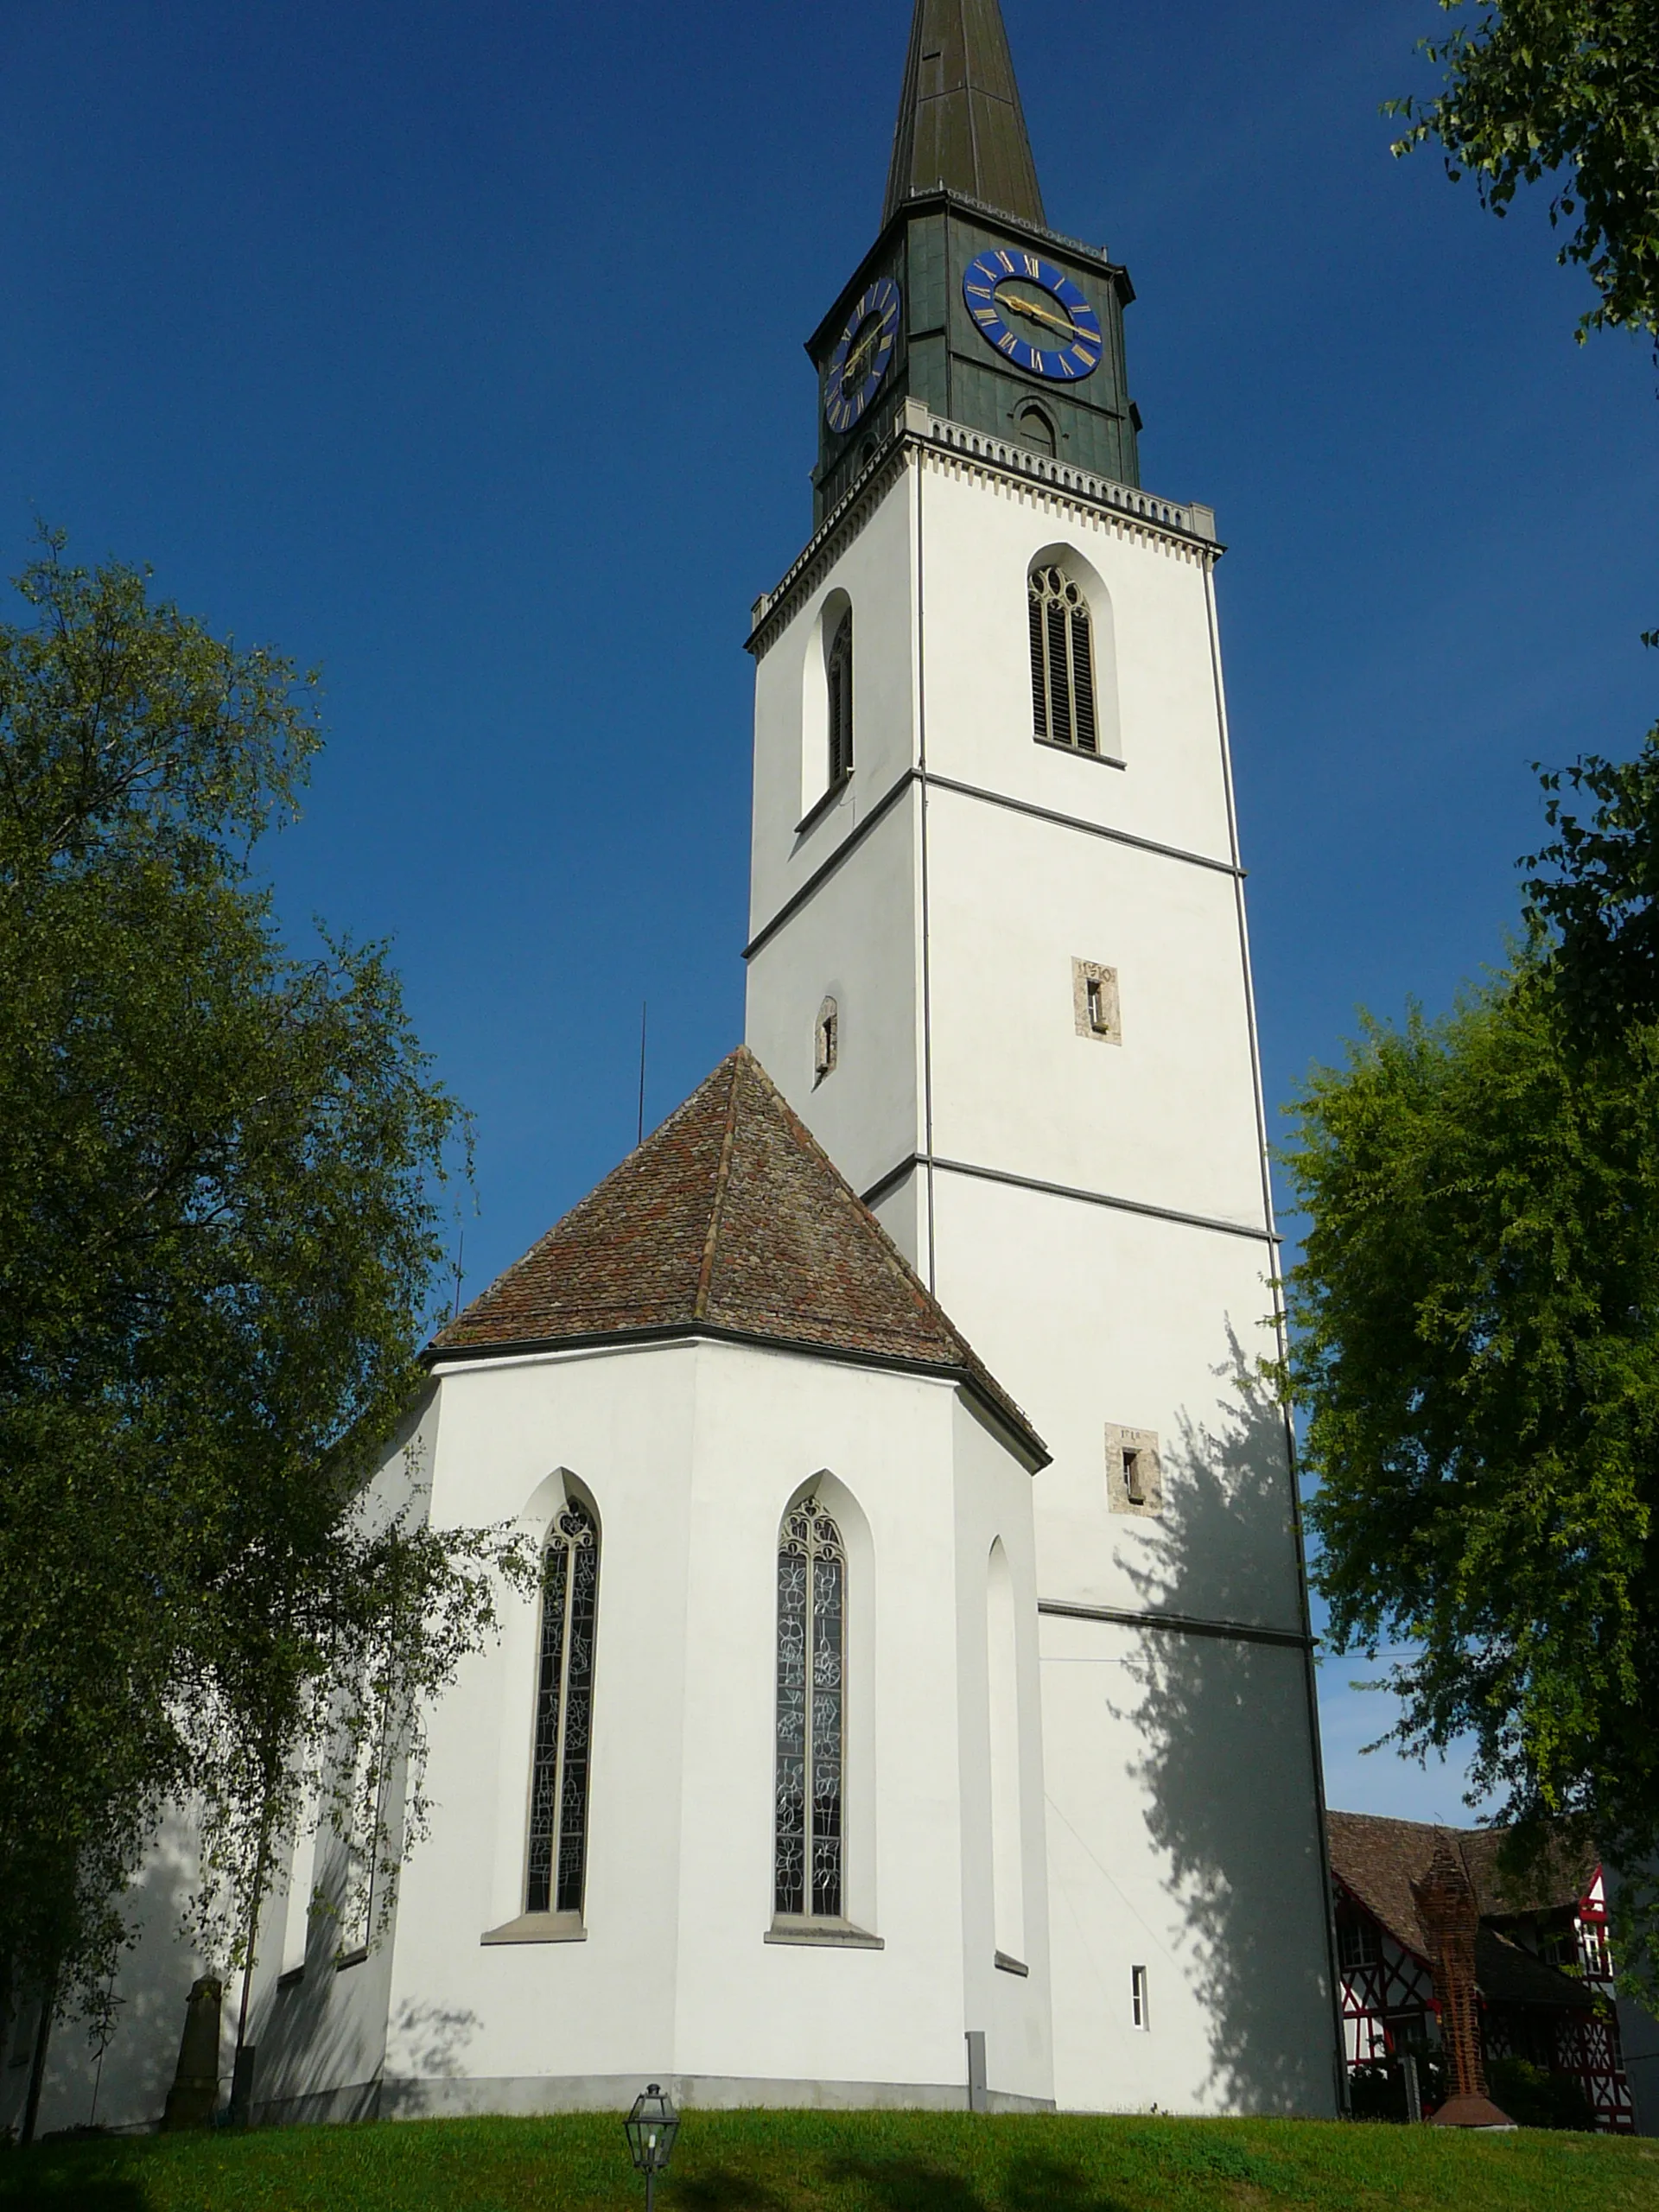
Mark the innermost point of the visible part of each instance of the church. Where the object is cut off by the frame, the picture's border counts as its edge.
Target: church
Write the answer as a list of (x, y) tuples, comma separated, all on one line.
[(919, 1707)]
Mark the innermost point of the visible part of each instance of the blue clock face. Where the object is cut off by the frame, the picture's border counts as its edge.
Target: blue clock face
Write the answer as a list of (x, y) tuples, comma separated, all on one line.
[(862, 355), (1033, 314)]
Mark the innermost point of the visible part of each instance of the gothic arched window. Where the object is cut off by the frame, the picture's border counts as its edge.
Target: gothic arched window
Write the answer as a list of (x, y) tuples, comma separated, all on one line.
[(1062, 662), (564, 1703), (839, 671), (811, 1705)]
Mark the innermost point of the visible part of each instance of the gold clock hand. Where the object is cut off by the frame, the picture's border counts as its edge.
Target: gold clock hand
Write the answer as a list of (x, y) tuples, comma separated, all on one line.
[(859, 353), (1041, 315)]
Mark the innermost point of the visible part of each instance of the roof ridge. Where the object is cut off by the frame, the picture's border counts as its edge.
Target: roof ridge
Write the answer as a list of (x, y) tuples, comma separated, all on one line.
[(924, 1300), (731, 1214), (723, 1185)]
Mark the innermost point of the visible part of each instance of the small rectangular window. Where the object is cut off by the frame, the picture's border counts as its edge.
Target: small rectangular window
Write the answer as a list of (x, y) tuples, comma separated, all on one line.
[(1135, 1477), (1357, 1944), (1138, 2013), (1095, 1008)]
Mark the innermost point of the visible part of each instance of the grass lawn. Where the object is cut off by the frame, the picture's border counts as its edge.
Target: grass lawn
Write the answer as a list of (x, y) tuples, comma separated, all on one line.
[(842, 2162)]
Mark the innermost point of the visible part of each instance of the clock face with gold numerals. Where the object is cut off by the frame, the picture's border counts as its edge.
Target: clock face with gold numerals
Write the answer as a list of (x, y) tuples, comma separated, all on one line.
[(862, 354), (1033, 314)]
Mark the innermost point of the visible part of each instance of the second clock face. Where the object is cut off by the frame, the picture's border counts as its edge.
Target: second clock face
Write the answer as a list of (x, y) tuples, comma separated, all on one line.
[(1033, 314), (862, 355)]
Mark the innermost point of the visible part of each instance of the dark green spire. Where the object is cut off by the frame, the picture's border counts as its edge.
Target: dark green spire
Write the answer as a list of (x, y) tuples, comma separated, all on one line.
[(960, 123)]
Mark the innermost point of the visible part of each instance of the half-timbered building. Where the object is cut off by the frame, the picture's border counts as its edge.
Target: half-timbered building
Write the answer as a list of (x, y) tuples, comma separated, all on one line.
[(1543, 1960)]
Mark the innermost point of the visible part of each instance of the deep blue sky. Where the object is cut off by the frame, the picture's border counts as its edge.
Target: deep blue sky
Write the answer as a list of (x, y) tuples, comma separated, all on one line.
[(458, 348)]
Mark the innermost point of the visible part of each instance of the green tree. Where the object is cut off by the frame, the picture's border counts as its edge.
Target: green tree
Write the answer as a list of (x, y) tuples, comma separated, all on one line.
[(1566, 88), (1475, 1325), (218, 1238), (1599, 891)]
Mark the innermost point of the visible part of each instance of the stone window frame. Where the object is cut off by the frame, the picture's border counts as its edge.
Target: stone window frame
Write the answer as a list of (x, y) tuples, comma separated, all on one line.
[(1133, 1463), (1096, 1007), (826, 1039)]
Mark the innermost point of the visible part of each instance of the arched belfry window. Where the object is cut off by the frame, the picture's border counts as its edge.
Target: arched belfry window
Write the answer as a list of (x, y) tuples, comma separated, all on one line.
[(564, 1705), (839, 670), (811, 1710), (1035, 429), (1062, 661)]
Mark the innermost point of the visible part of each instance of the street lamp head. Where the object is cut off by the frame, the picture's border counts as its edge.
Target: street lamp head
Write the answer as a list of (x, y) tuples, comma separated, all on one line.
[(650, 2128)]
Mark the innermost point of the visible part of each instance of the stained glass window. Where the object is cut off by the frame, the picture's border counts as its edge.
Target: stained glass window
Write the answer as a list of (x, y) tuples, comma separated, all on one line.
[(564, 1700), (812, 1642)]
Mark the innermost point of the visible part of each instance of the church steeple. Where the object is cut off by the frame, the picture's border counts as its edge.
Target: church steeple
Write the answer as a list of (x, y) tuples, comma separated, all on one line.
[(960, 121), (966, 301)]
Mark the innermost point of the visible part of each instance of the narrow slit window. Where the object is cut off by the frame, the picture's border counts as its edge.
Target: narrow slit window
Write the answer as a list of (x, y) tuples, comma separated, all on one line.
[(558, 1798), (811, 1690), (826, 1041), (1062, 662), (1095, 1007), (1138, 2013), (840, 675)]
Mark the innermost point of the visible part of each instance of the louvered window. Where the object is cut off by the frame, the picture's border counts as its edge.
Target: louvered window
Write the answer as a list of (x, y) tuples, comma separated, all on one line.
[(1062, 662), (558, 1795), (841, 700), (811, 1696)]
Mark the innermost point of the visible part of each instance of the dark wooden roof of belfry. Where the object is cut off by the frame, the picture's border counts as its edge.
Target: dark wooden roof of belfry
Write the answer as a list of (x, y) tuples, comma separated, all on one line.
[(729, 1220), (960, 121), (1376, 1860)]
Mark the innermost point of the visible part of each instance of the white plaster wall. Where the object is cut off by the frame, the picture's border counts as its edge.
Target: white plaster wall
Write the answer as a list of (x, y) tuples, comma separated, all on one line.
[(871, 565), (1168, 1116), (692, 1454), (850, 941), (321, 2035), (993, 1507), (1182, 1838), (1090, 1315), (462, 2010), (123, 2083), (979, 538)]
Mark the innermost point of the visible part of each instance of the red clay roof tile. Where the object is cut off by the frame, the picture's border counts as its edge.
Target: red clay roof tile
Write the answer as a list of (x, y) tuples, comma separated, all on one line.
[(730, 1216)]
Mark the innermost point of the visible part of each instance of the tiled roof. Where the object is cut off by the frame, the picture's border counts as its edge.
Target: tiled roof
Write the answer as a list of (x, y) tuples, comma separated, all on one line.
[(1376, 1861), (730, 1218)]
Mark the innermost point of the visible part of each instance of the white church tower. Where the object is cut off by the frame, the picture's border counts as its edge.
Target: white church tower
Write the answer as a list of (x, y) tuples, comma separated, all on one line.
[(998, 964)]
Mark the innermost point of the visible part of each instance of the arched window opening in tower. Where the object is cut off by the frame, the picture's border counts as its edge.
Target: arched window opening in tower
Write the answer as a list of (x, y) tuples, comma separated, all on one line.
[(840, 673), (811, 1641), (1062, 662), (1036, 431), (558, 1795)]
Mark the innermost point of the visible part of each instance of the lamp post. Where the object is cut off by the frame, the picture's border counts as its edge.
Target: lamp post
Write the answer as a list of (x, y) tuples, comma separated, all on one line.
[(650, 2128)]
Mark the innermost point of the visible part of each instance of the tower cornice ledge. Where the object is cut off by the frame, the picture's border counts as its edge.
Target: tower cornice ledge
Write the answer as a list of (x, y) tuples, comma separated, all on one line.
[(918, 431)]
